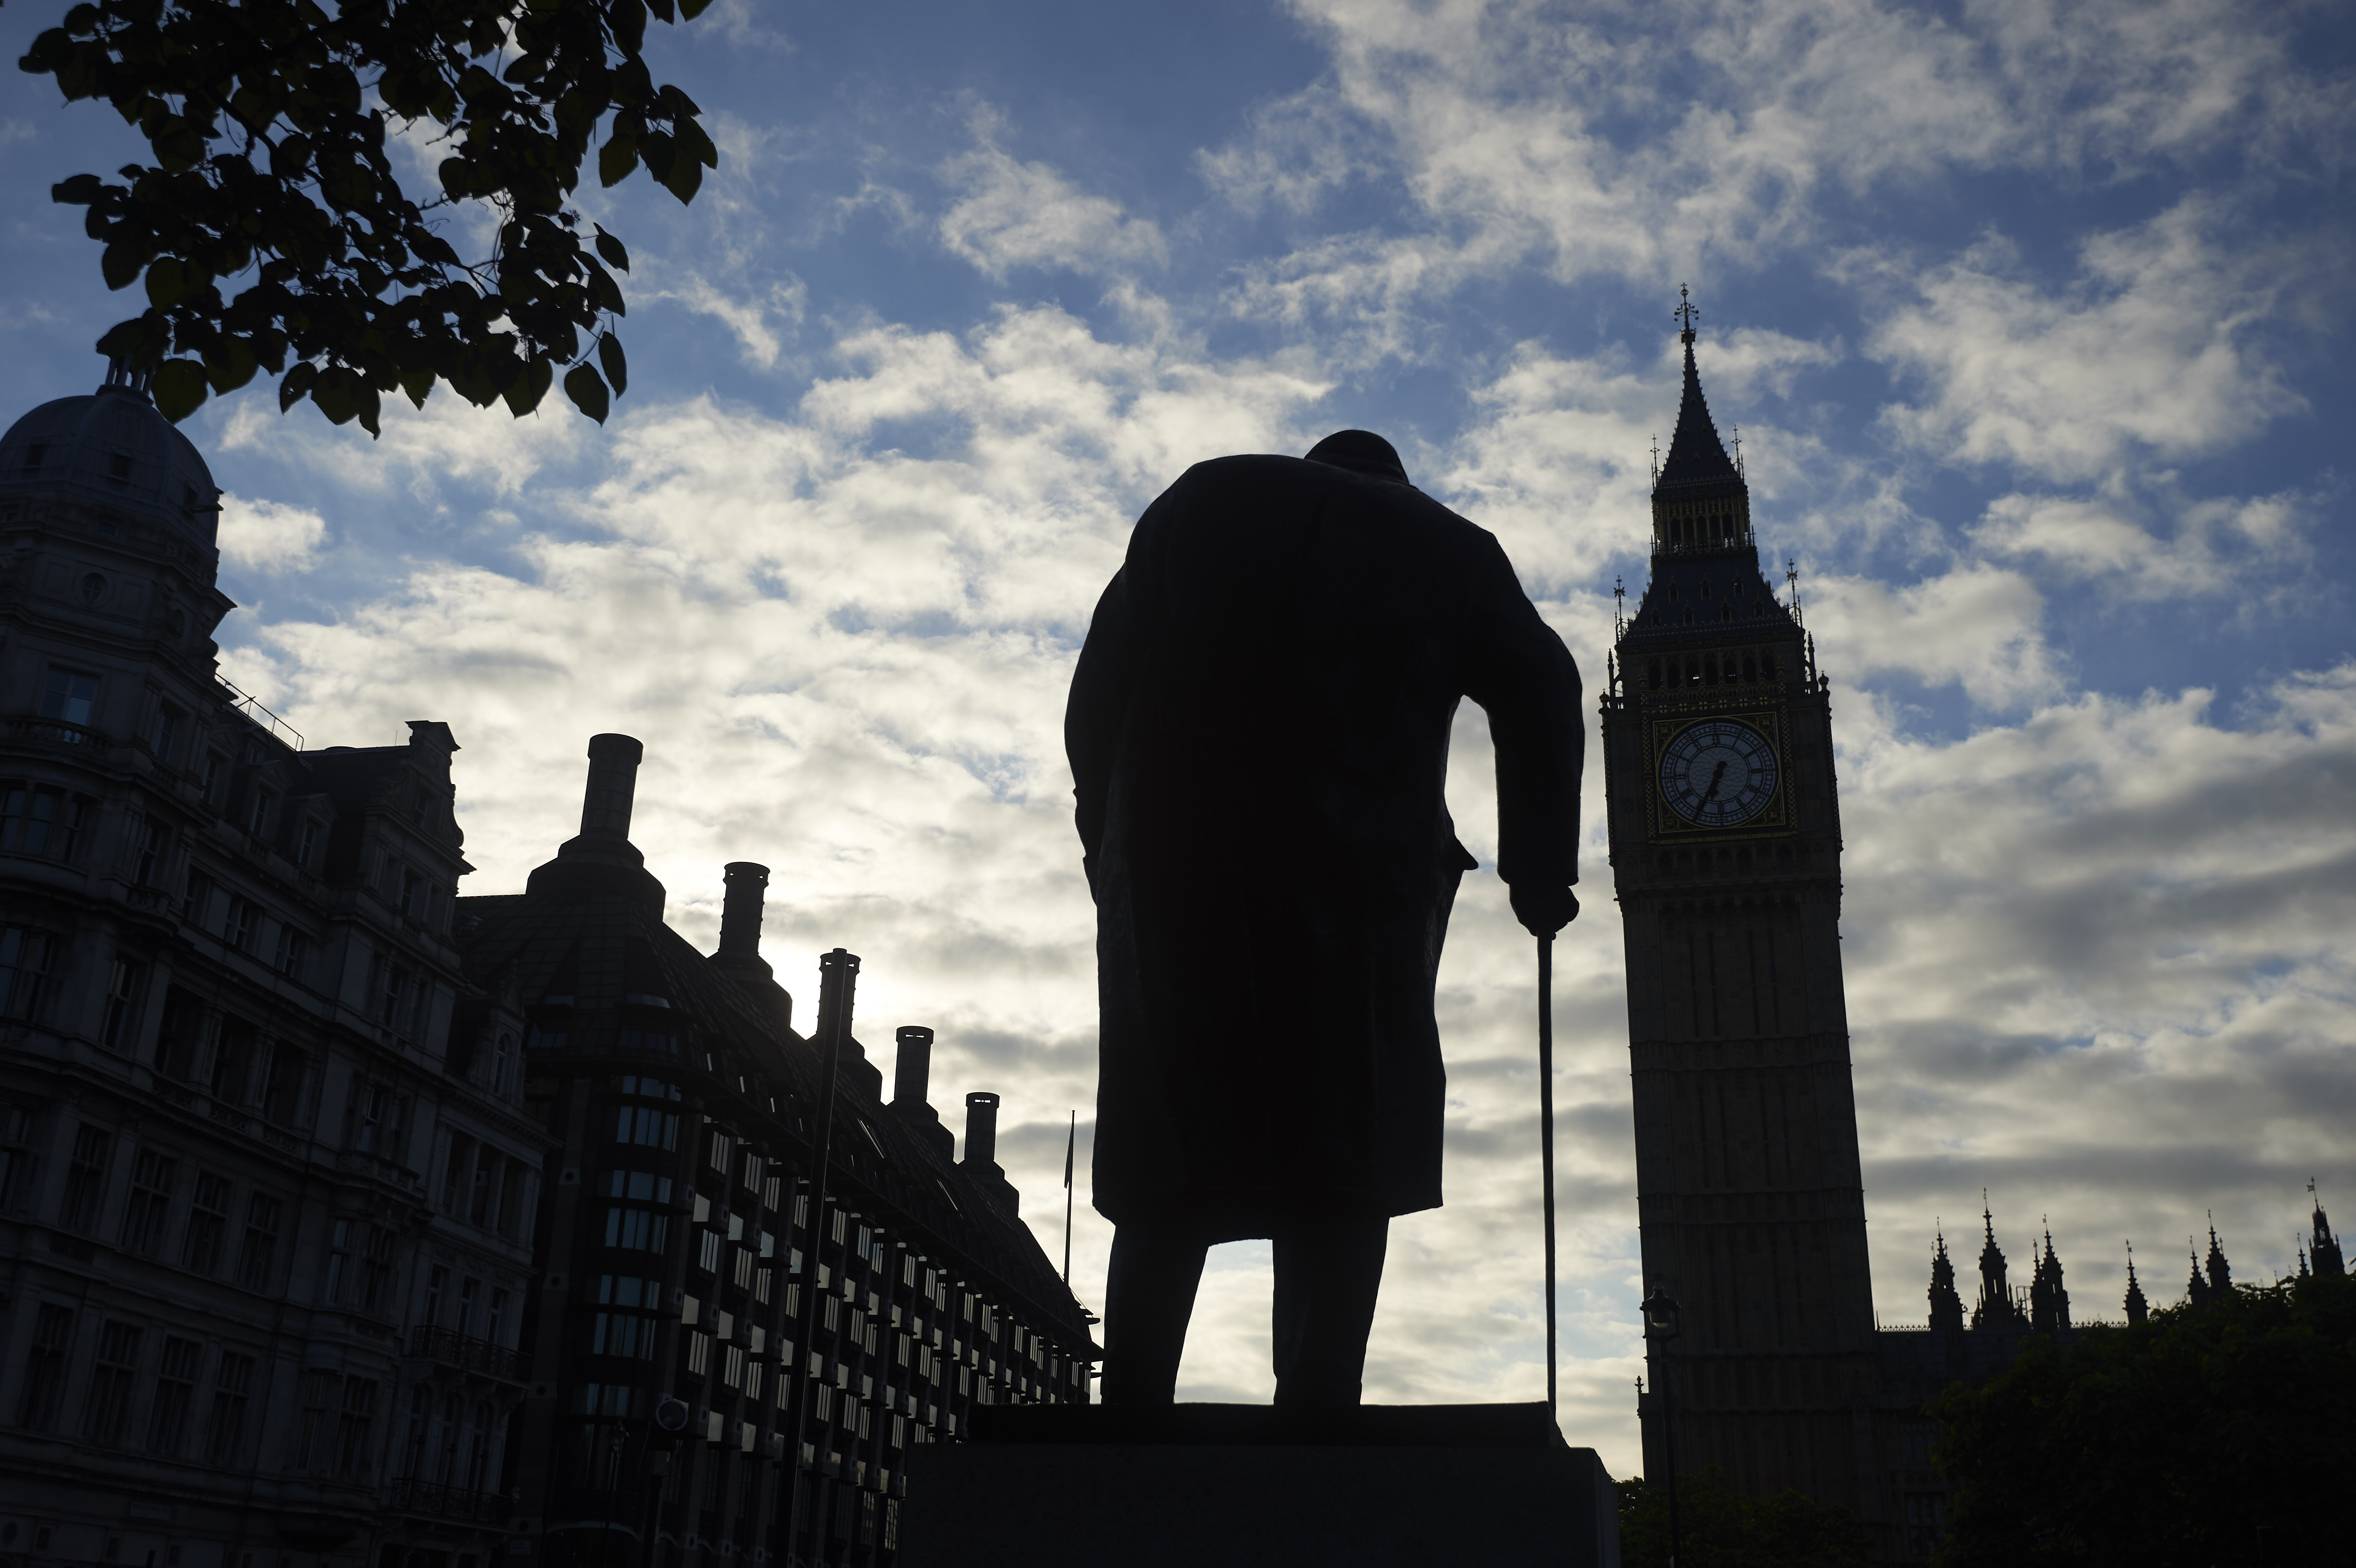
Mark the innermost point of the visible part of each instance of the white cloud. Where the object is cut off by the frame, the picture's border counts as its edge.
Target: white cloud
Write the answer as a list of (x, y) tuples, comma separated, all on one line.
[(1013, 214), (1975, 626), (265, 536), (2213, 548), (2146, 355), (763, 318)]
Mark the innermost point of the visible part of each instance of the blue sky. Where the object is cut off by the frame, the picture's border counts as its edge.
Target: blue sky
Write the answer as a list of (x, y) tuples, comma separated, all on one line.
[(2034, 321)]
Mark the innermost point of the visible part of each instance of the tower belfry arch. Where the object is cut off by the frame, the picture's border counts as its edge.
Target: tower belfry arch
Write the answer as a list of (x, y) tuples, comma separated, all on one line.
[(1725, 829)]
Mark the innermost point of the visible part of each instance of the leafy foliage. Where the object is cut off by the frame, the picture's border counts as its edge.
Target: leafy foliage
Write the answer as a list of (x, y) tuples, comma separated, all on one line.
[(276, 126), (1718, 1528), (2172, 1443)]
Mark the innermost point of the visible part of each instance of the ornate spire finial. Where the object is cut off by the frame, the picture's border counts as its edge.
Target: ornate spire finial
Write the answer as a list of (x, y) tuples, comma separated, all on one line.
[(1687, 314), (1738, 449)]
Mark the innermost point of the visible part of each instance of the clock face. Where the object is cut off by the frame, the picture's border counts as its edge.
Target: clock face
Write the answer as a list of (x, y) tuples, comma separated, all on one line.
[(1719, 773)]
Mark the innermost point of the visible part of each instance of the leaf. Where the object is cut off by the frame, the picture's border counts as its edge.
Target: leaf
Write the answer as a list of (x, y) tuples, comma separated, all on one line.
[(617, 369), (608, 293), (120, 264), (168, 281), (691, 9), (524, 394), (693, 138), (587, 390), (611, 249), (417, 385), (79, 190), (230, 367), (338, 394), (178, 388), (616, 159), (295, 382)]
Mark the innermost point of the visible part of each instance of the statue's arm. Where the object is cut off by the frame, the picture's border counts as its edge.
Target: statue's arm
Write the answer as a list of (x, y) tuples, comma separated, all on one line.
[(1527, 683), (1098, 706)]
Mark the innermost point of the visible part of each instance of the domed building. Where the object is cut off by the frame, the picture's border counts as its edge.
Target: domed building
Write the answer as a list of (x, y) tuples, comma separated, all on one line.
[(234, 1035), (323, 1249)]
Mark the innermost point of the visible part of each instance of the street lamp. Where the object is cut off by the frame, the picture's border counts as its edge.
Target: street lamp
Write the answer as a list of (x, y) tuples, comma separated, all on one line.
[(662, 1436), (1661, 1327)]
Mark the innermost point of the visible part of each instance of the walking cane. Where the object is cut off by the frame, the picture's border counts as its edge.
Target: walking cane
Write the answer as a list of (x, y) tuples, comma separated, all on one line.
[(1545, 1140)]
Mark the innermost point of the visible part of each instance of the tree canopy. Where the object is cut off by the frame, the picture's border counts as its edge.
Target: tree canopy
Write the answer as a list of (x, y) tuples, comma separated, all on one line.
[(1719, 1528), (2172, 1443), (280, 130)]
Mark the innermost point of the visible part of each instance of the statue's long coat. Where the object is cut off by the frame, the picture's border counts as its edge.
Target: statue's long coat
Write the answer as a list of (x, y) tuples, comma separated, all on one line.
[(1259, 731)]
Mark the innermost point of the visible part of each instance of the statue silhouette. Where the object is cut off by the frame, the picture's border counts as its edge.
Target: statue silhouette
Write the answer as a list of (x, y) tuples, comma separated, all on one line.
[(1258, 732)]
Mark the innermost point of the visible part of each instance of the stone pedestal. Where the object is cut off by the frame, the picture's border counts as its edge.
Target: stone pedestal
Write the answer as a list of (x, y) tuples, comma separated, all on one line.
[(1241, 1486)]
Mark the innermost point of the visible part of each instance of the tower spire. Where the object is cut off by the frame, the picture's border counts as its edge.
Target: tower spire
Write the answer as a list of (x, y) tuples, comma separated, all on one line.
[(2139, 1309), (1700, 499)]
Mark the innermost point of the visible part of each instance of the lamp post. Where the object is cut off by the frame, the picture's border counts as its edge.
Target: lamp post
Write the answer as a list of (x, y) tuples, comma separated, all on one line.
[(1660, 1327)]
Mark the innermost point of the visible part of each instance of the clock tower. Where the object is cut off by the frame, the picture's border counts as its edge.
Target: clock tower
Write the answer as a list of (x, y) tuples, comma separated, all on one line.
[(1726, 860)]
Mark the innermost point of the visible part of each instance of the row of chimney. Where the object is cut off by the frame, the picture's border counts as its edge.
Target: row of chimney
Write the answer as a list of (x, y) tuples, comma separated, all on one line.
[(605, 839)]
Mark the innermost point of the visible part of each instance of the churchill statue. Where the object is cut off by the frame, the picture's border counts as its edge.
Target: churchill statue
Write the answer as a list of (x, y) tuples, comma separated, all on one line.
[(1258, 732)]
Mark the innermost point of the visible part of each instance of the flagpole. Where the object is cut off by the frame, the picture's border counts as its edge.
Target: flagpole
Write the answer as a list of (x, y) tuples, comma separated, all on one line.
[(1071, 1147), (1546, 1141)]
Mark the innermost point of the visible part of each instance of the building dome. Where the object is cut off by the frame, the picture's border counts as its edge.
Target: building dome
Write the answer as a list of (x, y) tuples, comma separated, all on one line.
[(110, 447)]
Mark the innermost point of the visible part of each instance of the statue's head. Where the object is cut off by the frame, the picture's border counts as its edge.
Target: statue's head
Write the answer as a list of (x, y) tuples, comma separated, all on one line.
[(1360, 452)]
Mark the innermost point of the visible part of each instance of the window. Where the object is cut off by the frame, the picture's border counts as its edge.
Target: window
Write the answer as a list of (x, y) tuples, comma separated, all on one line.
[(372, 1119), (487, 1179), (175, 1392), (234, 1053), (306, 848), (257, 1262), (414, 894), (200, 898), (388, 992), (41, 819), (622, 1333), (24, 971), (201, 1247), (495, 1330), (232, 1386), (120, 1028), (108, 1408), (511, 1196), (699, 1352), (180, 1038), (707, 1255), (152, 1179), (316, 1447), (715, 1154), (645, 1124), (293, 949), (281, 1088), (744, 1275), (637, 1228), (502, 1059), (377, 1271), (244, 924), (70, 696), (342, 1236), (732, 1366), (15, 1156), (215, 774), (44, 1367), (162, 730), (93, 1151), (149, 843), (257, 816), (468, 1288), (453, 1173)]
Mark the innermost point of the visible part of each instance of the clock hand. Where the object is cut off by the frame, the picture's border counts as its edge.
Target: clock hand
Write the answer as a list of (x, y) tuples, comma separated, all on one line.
[(1716, 777)]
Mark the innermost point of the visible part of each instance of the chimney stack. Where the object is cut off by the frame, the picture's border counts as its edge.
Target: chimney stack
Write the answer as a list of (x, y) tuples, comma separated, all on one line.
[(981, 1128), (613, 783), (740, 915), (912, 1067), (980, 1162)]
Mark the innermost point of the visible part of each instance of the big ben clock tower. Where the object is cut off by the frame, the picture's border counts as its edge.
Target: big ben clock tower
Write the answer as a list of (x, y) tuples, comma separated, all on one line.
[(1725, 859)]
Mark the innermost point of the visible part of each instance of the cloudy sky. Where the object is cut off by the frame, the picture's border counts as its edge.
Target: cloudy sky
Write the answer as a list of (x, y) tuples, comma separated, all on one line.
[(2034, 317)]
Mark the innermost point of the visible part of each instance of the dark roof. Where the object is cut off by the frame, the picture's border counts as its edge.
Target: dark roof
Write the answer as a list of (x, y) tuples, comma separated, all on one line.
[(593, 930)]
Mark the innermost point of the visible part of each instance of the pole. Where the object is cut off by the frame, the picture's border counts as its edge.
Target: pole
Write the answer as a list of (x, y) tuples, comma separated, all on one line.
[(1071, 1148), (1546, 1141), (837, 980), (1663, 1384)]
